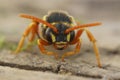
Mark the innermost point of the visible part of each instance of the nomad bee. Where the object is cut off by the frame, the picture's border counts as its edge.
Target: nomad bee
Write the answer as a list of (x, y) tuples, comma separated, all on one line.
[(60, 30)]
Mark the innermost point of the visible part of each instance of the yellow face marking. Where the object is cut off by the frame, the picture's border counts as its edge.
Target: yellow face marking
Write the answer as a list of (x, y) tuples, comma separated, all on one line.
[(68, 37), (53, 37), (61, 43)]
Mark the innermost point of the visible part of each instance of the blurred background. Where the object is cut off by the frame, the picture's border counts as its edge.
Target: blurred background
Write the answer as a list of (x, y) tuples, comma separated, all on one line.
[(84, 11)]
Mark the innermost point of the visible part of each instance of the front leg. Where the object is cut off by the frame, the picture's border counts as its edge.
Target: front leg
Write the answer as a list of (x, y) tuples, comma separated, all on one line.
[(32, 28), (77, 49), (92, 39), (41, 44)]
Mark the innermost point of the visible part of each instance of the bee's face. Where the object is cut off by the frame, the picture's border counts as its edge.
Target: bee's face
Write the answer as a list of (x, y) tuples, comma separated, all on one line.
[(60, 39)]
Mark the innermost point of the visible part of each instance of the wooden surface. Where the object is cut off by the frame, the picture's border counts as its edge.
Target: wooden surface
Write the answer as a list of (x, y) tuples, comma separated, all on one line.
[(82, 66)]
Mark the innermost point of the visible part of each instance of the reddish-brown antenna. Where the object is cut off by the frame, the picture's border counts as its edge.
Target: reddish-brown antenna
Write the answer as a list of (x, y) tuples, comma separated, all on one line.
[(82, 26), (40, 21)]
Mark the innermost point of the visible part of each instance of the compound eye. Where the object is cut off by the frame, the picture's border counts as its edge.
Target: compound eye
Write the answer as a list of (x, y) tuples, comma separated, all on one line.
[(68, 37)]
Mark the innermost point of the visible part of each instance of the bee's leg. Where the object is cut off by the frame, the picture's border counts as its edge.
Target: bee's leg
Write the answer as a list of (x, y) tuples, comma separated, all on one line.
[(77, 49), (75, 40), (31, 28), (92, 39), (34, 31), (41, 44)]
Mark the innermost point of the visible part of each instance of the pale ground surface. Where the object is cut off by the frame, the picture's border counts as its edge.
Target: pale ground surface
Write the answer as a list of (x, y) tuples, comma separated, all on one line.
[(32, 65)]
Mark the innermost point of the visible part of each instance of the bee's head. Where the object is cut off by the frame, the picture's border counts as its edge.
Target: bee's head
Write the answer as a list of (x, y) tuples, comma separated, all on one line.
[(60, 39), (59, 33)]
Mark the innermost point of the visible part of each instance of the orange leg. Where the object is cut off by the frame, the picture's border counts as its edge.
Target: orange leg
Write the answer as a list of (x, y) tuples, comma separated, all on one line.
[(92, 39), (76, 40), (77, 49), (34, 31), (41, 44), (33, 27)]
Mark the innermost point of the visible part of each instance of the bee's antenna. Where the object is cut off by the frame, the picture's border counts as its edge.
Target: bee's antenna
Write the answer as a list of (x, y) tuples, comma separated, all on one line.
[(40, 21), (82, 26)]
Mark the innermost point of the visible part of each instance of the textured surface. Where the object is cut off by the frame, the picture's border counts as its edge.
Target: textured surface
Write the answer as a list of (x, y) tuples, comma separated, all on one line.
[(82, 66), (7, 73)]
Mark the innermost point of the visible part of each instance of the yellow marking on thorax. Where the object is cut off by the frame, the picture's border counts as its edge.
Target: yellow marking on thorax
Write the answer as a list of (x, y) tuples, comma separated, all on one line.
[(44, 18)]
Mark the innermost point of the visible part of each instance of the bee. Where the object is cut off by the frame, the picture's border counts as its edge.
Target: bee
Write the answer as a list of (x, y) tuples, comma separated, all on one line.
[(60, 30)]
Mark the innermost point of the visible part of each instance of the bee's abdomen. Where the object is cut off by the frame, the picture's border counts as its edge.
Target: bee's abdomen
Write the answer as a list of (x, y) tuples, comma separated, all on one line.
[(58, 17)]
